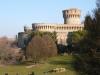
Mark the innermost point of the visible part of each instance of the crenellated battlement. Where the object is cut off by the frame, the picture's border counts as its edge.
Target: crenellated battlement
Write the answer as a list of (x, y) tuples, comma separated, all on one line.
[(56, 27)]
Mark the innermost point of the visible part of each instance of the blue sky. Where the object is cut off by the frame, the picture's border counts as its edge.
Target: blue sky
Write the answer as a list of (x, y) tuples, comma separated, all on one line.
[(15, 14)]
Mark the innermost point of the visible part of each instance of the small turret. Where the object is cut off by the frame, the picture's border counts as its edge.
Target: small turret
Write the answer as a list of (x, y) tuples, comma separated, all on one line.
[(27, 29)]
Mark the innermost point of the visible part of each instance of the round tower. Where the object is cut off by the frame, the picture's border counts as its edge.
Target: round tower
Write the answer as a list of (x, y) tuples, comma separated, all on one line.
[(71, 16)]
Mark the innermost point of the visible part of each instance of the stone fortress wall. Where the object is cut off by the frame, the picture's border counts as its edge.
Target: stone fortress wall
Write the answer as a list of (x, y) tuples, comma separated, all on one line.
[(71, 23), (62, 30)]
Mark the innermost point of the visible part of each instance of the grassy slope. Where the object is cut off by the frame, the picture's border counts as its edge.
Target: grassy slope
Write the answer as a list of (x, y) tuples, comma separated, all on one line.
[(59, 61)]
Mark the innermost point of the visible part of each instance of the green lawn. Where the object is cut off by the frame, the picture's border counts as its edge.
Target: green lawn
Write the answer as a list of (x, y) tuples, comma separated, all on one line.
[(59, 61)]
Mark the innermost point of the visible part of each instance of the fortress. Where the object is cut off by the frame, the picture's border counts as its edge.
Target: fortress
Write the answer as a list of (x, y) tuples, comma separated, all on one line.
[(71, 23)]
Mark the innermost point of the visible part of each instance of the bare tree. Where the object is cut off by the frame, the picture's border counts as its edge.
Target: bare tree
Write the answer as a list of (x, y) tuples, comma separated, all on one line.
[(8, 52), (41, 48)]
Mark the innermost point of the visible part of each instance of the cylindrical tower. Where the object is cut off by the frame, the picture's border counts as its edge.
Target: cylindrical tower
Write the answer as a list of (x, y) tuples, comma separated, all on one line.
[(71, 16)]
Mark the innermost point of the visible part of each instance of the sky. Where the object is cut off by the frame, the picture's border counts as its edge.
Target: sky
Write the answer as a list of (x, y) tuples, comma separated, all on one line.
[(15, 14)]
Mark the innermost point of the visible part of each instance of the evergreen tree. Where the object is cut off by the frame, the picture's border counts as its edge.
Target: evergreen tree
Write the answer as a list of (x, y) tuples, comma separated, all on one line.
[(92, 25)]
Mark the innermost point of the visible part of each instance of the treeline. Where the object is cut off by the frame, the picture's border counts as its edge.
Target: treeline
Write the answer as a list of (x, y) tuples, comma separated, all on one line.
[(38, 47)]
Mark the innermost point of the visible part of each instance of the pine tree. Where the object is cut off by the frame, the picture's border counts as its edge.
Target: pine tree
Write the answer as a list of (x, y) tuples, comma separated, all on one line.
[(92, 25)]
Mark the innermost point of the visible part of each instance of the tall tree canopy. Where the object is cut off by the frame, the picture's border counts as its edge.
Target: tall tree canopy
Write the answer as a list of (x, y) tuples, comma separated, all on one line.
[(92, 25), (40, 48)]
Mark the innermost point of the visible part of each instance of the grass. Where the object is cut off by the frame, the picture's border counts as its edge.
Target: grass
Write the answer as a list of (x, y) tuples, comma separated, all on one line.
[(54, 62)]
